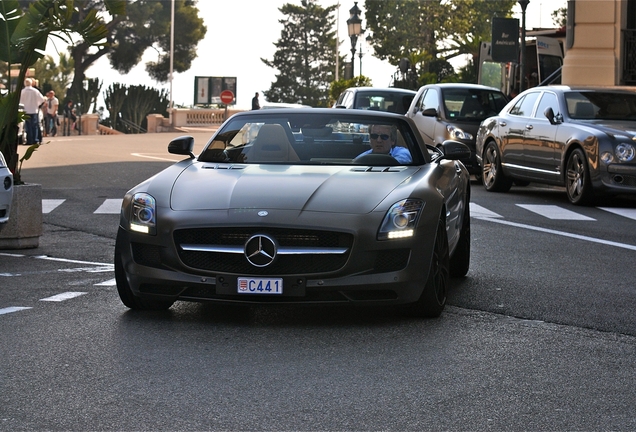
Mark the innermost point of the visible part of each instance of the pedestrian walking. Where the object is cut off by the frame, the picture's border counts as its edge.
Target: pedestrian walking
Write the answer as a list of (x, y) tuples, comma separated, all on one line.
[(52, 104), (31, 99), (256, 105), (69, 117)]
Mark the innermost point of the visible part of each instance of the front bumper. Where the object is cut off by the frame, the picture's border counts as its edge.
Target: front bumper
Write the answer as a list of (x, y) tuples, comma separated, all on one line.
[(374, 272)]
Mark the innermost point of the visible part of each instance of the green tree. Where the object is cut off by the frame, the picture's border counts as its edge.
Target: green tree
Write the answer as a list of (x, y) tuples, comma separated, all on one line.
[(146, 24), (115, 97), (560, 17), (305, 55), (337, 87), (433, 30), (54, 75), (24, 36)]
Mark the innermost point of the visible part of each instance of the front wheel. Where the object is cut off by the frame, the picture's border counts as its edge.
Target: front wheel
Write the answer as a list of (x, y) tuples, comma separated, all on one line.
[(577, 181), (433, 299), (492, 175)]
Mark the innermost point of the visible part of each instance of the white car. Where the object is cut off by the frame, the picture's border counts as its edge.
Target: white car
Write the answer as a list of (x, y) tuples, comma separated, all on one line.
[(6, 191)]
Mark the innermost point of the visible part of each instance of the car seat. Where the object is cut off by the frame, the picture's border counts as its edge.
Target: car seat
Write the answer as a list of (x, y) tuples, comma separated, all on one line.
[(272, 145)]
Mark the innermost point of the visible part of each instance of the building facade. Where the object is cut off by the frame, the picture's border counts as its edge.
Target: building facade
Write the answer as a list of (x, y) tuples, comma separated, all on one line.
[(601, 43)]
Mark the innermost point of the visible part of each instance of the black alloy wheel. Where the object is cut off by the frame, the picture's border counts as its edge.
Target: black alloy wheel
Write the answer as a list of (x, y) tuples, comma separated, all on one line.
[(460, 261), (433, 298)]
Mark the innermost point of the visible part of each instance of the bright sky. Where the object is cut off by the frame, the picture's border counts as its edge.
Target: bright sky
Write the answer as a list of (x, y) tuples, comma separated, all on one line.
[(241, 32)]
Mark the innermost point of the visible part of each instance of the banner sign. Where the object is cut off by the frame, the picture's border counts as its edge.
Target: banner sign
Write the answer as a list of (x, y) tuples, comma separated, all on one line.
[(505, 40), (207, 90)]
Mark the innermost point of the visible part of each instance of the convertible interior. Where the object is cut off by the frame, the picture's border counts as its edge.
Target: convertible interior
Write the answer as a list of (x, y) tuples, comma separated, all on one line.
[(278, 142)]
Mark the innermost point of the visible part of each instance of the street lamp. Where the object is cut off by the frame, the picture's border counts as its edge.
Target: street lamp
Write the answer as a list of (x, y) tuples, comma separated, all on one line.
[(522, 61), (354, 27)]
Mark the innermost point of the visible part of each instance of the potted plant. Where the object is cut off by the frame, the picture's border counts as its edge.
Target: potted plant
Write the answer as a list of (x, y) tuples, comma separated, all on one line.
[(23, 39)]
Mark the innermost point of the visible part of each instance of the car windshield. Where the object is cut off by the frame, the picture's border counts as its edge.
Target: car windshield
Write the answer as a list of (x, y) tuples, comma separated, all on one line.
[(337, 138), (606, 105), (387, 101), (473, 105)]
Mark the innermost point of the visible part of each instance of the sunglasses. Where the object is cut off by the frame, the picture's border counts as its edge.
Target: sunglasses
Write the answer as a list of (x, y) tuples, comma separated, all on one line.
[(375, 136)]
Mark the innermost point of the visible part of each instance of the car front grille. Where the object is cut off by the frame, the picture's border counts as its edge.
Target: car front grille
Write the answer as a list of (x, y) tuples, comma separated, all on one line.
[(223, 262)]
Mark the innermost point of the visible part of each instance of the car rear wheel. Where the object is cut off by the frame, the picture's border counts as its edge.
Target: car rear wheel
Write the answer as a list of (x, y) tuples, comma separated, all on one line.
[(433, 299), (460, 261), (492, 174), (577, 182), (125, 293)]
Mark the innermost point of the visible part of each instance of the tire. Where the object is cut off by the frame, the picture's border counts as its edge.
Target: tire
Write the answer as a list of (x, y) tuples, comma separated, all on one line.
[(460, 261), (577, 179), (125, 293), (492, 175), (433, 298)]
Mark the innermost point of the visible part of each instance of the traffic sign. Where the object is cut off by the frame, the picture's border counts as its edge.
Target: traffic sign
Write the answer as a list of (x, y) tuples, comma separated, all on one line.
[(227, 97)]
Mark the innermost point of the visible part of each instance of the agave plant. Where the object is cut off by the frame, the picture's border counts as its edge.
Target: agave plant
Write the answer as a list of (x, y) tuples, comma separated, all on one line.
[(23, 39)]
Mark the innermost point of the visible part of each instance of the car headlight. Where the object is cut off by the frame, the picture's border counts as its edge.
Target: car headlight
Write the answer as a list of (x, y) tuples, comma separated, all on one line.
[(456, 133), (625, 152), (144, 214), (401, 219)]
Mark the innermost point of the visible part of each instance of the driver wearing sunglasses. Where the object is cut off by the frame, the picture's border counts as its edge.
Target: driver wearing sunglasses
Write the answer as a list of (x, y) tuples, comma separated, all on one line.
[(383, 141)]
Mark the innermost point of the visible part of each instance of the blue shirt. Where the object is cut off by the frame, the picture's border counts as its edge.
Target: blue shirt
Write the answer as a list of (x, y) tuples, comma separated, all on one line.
[(400, 154)]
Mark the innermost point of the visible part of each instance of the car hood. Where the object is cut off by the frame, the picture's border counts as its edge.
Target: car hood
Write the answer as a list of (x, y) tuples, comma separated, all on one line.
[(612, 127), (333, 189)]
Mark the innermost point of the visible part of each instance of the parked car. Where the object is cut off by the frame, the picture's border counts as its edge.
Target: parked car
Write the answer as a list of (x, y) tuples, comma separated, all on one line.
[(580, 138), (21, 131), (454, 111), (6, 192), (390, 99), (299, 211)]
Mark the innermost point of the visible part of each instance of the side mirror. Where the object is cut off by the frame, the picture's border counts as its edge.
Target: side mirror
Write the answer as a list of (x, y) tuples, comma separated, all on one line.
[(455, 150), (549, 113), (182, 145), (430, 112)]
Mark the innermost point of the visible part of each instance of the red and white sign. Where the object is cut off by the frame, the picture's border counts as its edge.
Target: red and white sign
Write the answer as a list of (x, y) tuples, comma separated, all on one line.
[(227, 97)]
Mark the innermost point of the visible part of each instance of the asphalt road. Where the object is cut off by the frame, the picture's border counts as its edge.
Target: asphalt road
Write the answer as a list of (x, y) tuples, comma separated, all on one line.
[(541, 335)]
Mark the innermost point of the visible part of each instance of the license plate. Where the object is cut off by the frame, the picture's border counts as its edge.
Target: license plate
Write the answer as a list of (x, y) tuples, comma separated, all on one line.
[(260, 285)]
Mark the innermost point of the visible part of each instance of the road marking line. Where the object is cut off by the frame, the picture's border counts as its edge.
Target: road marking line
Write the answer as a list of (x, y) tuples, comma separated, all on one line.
[(625, 212), (44, 257), (110, 206), (554, 212), (48, 205), (111, 282), (154, 157), (480, 212), (561, 233), (63, 296), (13, 309)]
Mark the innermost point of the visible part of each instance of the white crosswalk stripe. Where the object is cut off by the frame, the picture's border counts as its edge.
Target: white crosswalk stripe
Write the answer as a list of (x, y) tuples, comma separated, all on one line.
[(555, 212), (625, 212), (480, 212), (48, 205), (110, 206), (63, 296), (12, 309)]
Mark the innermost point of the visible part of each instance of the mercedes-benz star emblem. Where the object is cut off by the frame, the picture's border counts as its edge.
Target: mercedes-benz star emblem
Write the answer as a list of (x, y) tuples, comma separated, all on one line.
[(260, 250)]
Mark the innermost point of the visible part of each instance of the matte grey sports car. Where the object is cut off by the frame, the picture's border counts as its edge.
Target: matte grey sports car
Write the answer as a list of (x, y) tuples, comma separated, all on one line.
[(300, 206), (580, 138)]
